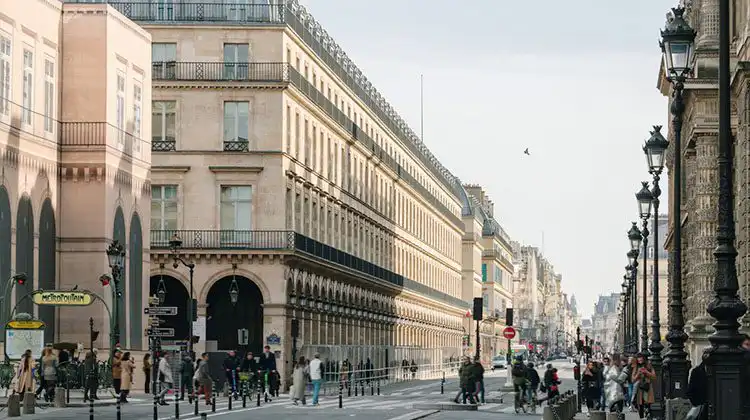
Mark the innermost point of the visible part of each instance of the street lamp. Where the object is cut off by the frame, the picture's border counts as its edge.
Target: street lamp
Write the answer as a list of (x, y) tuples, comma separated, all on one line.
[(634, 236), (655, 149), (726, 362), (234, 291), (161, 291), (677, 48), (174, 245), (644, 199), (116, 258)]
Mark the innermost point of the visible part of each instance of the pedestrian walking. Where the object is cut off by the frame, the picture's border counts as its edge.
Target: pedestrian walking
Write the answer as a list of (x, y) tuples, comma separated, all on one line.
[(299, 382), (187, 371), (466, 383), (643, 377), (614, 377), (315, 370), (204, 378), (165, 378), (147, 367), (49, 373), (24, 377), (591, 390), (478, 375), (127, 368), (91, 376), (117, 371)]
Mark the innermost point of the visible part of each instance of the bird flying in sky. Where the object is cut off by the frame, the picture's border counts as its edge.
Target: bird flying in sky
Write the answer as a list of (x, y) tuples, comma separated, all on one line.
[(526, 152)]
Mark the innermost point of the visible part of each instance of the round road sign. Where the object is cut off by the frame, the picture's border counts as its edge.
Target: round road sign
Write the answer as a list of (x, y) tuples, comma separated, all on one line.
[(509, 333)]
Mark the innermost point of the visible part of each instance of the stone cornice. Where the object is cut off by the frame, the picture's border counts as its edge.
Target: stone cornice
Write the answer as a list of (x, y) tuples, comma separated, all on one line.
[(170, 168), (233, 85), (229, 168)]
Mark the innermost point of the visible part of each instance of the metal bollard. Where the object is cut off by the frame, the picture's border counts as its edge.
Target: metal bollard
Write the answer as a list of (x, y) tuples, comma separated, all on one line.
[(29, 403), (204, 416), (378, 386), (341, 394), (118, 408), (195, 401), (442, 384), (229, 405), (348, 389), (156, 404), (60, 397), (547, 414), (244, 395), (372, 388), (91, 408), (213, 398), (257, 387), (362, 387), (14, 405), (356, 390)]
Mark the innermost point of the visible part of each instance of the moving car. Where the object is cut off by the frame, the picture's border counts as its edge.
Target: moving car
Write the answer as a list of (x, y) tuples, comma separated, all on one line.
[(498, 362)]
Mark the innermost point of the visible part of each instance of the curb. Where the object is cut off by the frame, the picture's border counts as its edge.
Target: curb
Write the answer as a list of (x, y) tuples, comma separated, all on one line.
[(73, 404), (446, 407)]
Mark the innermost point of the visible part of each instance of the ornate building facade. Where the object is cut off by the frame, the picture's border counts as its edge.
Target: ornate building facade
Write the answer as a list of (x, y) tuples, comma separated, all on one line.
[(604, 324), (699, 163), (75, 101)]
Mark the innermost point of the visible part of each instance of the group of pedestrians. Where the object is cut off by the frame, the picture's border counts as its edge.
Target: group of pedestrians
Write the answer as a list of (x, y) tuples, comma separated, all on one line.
[(526, 381), (471, 381), (614, 384)]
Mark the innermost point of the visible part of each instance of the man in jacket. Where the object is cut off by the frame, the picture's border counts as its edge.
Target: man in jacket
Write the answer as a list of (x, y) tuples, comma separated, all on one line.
[(268, 369), (187, 370), (533, 377), (316, 376), (231, 368), (165, 378), (477, 372), (204, 378), (91, 380), (518, 373), (466, 382)]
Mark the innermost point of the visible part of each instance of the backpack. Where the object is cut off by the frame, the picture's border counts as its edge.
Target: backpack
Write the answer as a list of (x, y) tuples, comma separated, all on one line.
[(518, 370)]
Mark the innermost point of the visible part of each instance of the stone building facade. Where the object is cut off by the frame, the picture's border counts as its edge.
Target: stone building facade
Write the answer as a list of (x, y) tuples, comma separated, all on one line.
[(75, 100), (699, 179)]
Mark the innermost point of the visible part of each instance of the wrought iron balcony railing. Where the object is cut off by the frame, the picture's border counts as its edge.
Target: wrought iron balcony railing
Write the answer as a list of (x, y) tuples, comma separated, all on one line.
[(284, 240), (163, 144), (218, 71), (86, 135), (236, 146), (187, 11)]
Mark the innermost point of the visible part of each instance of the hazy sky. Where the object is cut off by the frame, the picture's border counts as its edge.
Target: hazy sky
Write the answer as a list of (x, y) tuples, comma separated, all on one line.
[(574, 81)]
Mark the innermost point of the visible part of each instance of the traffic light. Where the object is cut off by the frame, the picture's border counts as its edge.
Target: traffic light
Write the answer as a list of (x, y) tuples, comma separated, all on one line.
[(105, 279), (478, 303), (21, 280), (94, 335), (508, 316)]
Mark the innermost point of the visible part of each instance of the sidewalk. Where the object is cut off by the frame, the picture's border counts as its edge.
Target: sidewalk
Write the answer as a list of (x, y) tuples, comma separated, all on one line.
[(76, 399), (629, 415)]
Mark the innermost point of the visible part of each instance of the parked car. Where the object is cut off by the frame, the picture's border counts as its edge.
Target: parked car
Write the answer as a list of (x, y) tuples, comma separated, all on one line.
[(499, 362)]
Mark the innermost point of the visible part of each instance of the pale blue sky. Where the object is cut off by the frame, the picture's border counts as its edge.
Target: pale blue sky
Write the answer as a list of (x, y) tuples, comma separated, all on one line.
[(574, 81)]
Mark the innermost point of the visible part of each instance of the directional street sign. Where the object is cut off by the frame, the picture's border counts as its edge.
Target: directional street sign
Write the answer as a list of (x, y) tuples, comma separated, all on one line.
[(160, 332), (155, 322), (161, 310)]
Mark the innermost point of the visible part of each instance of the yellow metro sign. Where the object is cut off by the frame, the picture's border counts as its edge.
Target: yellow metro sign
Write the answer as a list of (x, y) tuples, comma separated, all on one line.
[(24, 325), (63, 298)]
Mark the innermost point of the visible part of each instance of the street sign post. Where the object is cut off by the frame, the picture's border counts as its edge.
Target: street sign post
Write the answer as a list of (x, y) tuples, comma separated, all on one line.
[(509, 333), (160, 310), (160, 332)]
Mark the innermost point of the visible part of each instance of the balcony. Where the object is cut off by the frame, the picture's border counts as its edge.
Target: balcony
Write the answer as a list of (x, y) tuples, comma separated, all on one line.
[(163, 144), (236, 146), (86, 136), (284, 240), (218, 71), (189, 12)]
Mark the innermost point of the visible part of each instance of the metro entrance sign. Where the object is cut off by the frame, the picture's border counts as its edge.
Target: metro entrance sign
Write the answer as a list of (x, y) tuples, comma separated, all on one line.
[(509, 333), (160, 311)]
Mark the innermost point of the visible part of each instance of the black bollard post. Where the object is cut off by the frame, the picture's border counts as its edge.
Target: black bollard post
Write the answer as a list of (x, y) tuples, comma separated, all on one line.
[(67, 393), (195, 401), (442, 384), (156, 405), (348, 388), (362, 387), (378, 386), (244, 395), (372, 388), (213, 399), (119, 413), (257, 387), (341, 394), (91, 409), (356, 390), (176, 407), (229, 406)]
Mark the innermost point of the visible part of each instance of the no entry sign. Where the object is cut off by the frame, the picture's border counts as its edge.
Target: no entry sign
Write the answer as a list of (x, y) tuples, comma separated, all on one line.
[(509, 333)]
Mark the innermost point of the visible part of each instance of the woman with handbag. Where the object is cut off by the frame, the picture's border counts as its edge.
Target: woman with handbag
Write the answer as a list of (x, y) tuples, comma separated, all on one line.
[(642, 377)]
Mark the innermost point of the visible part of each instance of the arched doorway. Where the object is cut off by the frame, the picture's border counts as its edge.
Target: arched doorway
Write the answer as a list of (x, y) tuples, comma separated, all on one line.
[(224, 319), (47, 265), (135, 282), (176, 295), (119, 235), (25, 253), (5, 244)]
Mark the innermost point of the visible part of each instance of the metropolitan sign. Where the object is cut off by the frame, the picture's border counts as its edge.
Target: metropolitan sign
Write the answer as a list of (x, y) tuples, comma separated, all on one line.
[(63, 298)]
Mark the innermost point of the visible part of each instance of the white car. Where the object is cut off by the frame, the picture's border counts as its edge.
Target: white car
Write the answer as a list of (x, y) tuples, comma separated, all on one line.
[(499, 362)]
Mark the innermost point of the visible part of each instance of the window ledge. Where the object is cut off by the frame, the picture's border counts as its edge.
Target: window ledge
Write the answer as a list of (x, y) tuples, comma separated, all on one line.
[(170, 168), (224, 169)]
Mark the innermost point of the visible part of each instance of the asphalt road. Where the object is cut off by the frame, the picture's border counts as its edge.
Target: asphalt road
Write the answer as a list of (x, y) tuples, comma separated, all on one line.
[(396, 402)]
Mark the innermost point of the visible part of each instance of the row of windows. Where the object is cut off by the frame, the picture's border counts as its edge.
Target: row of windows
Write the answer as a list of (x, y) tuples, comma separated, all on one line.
[(29, 77), (235, 207), (238, 53), (236, 122), (352, 233), (330, 89), (333, 158)]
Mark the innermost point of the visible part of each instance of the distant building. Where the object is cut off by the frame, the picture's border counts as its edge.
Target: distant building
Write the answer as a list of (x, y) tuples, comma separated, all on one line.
[(604, 323)]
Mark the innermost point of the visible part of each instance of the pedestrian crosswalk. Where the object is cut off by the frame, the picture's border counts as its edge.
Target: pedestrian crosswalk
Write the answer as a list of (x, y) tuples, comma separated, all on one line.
[(384, 404)]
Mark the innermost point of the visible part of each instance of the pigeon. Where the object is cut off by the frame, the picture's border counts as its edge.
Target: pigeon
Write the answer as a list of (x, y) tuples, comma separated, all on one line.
[(526, 152)]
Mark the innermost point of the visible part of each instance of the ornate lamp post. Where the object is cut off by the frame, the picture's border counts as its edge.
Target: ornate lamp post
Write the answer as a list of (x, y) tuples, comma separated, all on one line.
[(726, 362), (174, 245), (677, 48), (626, 314), (655, 149), (644, 199), (635, 236), (116, 259)]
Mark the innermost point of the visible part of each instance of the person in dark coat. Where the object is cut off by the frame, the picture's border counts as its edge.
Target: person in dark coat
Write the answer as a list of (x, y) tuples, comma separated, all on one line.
[(478, 375), (268, 370), (590, 382), (533, 376), (91, 376), (231, 369), (697, 390), (187, 370), (466, 382)]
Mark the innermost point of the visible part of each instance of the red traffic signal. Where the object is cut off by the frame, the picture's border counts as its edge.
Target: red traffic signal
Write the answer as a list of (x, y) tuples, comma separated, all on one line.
[(105, 280), (20, 279)]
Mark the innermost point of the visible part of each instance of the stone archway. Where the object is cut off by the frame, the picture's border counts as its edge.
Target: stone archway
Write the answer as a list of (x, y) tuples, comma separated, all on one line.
[(25, 253), (47, 265), (119, 234), (176, 295), (5, 240), (135, 282), (224, 318)]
